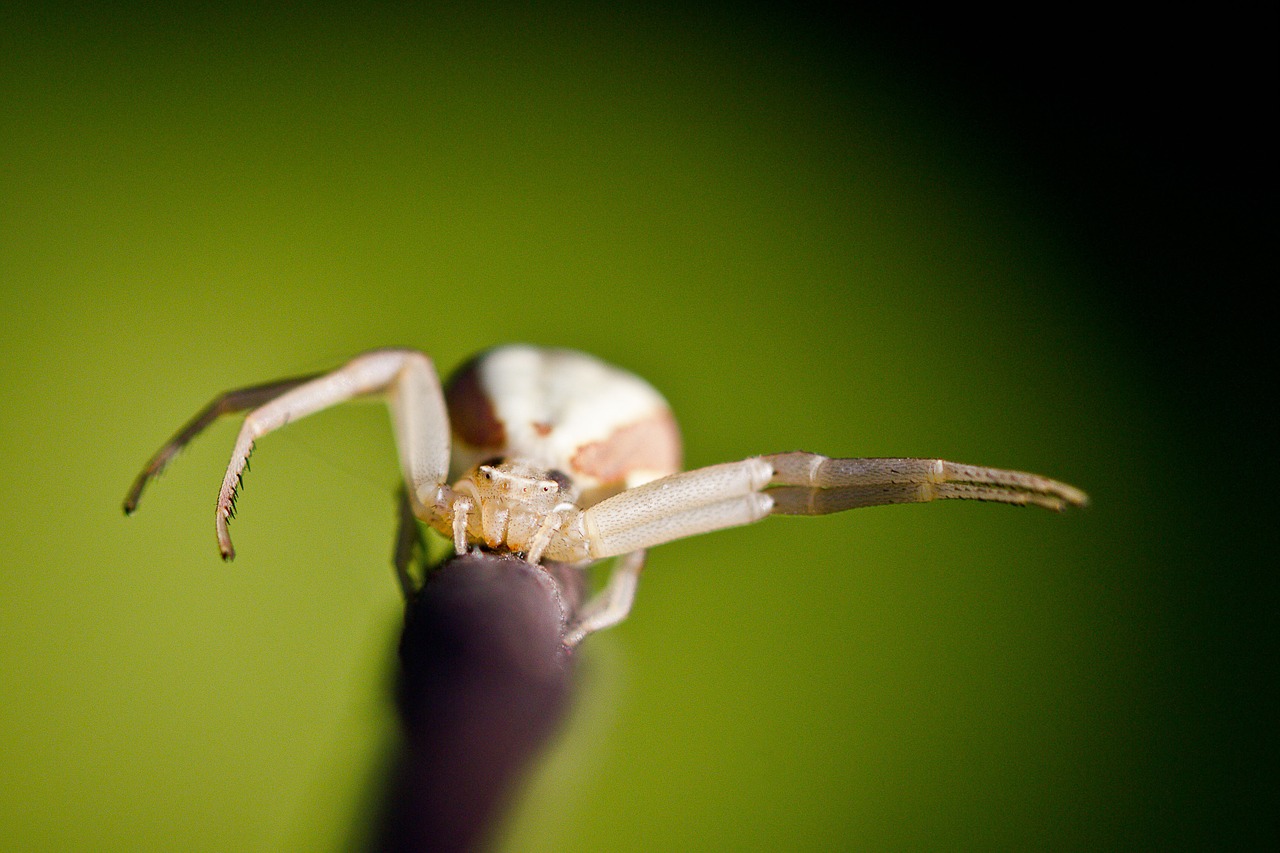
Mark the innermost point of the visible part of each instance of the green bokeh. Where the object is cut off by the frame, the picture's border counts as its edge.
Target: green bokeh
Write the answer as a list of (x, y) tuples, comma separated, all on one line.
[(790, 245)]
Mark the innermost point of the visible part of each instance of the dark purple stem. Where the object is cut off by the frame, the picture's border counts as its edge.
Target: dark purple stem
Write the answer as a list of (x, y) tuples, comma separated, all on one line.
[(484, 682)]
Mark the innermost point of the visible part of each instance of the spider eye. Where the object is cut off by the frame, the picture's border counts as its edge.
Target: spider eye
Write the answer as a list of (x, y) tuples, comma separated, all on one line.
[(560, 478)]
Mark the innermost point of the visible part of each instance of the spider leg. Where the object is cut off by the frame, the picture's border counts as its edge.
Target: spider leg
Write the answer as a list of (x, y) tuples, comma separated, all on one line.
[(551, 522), (408, 380), (409, 547), (737, 493), (816, 485), (418, 417), (226, 403), (612, 604), (676, 506)]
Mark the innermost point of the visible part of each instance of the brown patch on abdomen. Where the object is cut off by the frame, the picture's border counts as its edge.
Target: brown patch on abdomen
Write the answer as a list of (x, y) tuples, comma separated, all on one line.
[(650, 445), (471, 413)]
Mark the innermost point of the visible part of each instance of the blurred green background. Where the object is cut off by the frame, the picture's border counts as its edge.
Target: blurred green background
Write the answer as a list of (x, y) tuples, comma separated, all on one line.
[(855, 237)]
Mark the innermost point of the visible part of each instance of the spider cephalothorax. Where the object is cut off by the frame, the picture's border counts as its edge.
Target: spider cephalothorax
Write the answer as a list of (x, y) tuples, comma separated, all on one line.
[(510, 505)]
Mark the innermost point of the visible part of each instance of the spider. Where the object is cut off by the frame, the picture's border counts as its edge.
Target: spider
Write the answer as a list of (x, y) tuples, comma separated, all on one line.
[(556, 455)]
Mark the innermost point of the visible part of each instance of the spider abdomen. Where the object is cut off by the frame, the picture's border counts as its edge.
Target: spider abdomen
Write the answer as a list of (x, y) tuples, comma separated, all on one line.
[(561, 410)]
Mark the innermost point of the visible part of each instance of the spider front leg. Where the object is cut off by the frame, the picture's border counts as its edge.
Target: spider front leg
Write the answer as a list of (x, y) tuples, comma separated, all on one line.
[(816, 485), (406, 377), (227, 403), (677, 506), (738, 493)]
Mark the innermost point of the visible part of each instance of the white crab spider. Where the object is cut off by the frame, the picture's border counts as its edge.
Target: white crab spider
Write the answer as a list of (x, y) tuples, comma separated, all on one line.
[(557, 456)]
